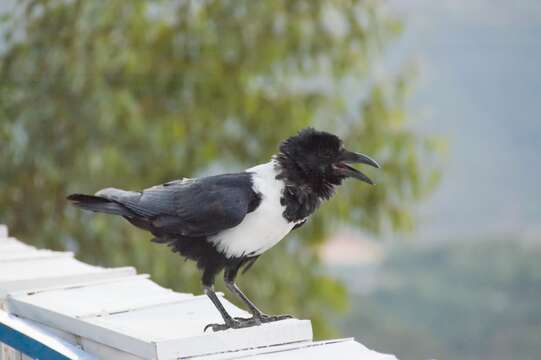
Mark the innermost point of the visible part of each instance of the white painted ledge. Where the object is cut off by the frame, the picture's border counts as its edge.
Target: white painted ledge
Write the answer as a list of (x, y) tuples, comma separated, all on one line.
[(157, 325), (24, 330), (337, 349), (116, 314)]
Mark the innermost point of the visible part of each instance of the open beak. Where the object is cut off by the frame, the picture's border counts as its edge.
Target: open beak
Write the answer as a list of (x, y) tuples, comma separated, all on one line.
[(358, 158)]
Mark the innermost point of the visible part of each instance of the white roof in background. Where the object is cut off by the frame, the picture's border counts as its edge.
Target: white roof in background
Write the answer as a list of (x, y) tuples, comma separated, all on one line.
[(114, 313)]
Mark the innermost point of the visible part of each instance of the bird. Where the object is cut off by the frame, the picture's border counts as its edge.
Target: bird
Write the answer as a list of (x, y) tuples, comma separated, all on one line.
[(226, 222)]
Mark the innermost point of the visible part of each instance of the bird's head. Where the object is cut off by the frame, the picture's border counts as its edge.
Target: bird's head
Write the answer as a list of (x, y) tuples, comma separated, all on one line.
[(319, 160)]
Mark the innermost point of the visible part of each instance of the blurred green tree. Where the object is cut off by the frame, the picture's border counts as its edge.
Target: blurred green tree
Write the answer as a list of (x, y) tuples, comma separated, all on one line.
[(130, 94)]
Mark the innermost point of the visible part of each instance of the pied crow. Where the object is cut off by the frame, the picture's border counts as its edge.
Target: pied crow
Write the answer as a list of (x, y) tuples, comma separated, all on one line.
[(225, 222)]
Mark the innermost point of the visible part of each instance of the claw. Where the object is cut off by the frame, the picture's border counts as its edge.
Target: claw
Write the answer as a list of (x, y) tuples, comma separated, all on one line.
[(217, 327), (235, 323), (264, 318), (249, 321)]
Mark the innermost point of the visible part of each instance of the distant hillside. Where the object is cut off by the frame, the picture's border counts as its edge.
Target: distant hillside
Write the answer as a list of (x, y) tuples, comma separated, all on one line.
[(459, 300)]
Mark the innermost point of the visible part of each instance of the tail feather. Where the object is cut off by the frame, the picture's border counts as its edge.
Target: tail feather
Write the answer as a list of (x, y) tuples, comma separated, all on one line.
[(98, 204)]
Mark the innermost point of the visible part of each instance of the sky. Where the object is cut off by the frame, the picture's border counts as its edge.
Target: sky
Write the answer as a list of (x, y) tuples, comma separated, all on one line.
[(480, 88)]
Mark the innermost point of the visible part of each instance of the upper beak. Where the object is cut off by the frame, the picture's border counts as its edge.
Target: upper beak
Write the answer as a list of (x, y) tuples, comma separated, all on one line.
[(353, 157)]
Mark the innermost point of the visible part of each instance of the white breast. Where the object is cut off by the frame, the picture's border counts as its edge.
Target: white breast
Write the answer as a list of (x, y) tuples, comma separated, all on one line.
[(265, 226)]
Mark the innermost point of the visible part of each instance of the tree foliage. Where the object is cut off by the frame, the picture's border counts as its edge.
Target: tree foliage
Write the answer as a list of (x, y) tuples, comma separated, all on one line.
[(135, 93)]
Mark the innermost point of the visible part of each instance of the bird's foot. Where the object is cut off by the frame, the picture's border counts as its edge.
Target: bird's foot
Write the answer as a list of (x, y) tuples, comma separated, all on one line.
[(251, 320), (236, 323), (239, 322), (264, 318)]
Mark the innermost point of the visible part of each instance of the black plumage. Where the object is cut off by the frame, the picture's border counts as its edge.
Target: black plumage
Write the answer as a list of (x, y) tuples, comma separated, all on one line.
[(225, 222)]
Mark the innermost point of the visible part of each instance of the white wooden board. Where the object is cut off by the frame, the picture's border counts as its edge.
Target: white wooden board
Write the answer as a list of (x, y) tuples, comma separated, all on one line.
[(6, 240), (164, 331), (99, 350), (12, 244), (125, 294), (338, 349), (115, 314), (43, 268), (32, 254), (40, 336), (52, 271), (343, 350)]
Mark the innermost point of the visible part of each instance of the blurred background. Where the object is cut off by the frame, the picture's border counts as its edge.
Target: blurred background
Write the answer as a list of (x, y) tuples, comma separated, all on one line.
[(439, 260)]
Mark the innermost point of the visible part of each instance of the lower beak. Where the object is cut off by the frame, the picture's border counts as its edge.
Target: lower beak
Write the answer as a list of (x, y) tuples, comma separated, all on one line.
[(353, 157)]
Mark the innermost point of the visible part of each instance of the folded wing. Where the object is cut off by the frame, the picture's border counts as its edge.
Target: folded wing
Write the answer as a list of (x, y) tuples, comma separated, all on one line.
[(191, 208)]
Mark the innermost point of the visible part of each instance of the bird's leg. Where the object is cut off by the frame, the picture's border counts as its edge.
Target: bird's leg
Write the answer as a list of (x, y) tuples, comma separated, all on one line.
[(229, 322), (258, 316)]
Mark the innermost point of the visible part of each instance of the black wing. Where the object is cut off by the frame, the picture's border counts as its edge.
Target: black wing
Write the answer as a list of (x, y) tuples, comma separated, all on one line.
[(195, 208)]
